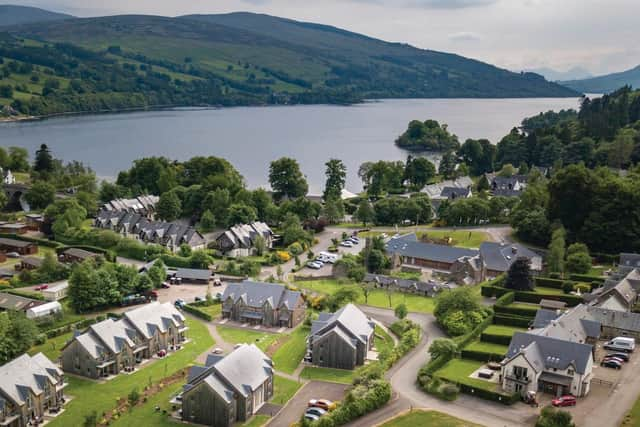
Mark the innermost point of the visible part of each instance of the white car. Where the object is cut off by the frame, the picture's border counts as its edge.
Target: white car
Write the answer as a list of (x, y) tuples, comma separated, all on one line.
[(217, 350), (316, 265), (347, 244)]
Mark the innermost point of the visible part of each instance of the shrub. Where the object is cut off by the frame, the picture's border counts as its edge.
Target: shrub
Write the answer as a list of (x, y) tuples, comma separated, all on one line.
[(449, 391), (190, 308), (567, 287), (582, 288)]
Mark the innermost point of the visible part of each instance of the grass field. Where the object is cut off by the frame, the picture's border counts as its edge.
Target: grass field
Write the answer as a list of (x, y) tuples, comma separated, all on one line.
[(214, 310), (487, 347), (239, 336), (327, 374), (377, 298), (458, 371), (460, 238), (506, 331), (101, 397), (632, 419), (549, 291), (52, 347), (383, 340), (284, 389), (289, 355), (428, 418)]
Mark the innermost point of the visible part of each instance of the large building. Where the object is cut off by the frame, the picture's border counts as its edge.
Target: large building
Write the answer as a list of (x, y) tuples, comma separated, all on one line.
[(342, 339), (30, 388), (144, 205), (266, 304), (240, 240), (112, 346), (621, 290), (228, 389)]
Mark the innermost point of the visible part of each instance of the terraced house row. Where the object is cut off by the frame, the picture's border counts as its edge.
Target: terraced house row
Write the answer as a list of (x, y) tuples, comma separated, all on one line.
[(113, 346)]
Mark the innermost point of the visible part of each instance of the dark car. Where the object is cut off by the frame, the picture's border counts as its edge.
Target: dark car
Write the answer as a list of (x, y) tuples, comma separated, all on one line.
[(611, 363), (567, 400), (617, 359), (165, 285), (623, 356)]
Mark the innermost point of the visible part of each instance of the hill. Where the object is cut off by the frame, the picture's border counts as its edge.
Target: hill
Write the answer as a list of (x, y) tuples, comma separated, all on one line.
[(246, 58), (574, 73), (16, 15), (607, 83)]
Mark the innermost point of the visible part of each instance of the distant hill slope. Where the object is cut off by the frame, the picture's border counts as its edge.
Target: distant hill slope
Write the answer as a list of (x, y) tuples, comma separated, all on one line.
[(574, 73), (607, 83), (269, 55), (16, 15)]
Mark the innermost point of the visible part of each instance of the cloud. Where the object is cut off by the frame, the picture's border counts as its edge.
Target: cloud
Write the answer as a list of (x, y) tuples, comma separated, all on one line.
[(451, 4), (464, 36)]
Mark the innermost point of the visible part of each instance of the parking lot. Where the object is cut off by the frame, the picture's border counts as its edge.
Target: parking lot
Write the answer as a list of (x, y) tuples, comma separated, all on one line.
[(327, 267), (292, 412)]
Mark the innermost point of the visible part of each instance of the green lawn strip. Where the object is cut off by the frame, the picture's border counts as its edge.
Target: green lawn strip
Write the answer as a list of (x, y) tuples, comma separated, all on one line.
[(289, 355), (146, 415), (52, 347), (428, 418), (383, 340), (487, 347), (632, 418), (377, 297), (214, 310), (284, 389), (245, 336), (257, 421), (342, 376), (89, 395), (458, 371), (506, 331), (548, 291), (533, 307)]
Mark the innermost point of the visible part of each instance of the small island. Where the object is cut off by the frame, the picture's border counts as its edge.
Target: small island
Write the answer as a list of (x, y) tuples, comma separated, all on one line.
[(427, 136)]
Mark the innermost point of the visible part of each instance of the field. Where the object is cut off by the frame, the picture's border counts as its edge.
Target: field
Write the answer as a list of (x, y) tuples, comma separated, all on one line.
[(240, 336), (458, 371), (327, 374), (101, 397), (288, 356), (460, 238), (52, 347), (284, 389), (506, 331), (428, 418), (377, 297)]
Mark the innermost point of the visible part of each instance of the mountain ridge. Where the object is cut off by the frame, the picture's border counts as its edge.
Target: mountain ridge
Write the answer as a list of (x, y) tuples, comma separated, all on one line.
[(606, 83), (11, 14)]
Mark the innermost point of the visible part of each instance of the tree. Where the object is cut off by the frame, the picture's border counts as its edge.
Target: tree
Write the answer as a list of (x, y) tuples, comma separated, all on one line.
[(260, 244), (556, 252), (365, 213), (333, 210), (218, 202), (200, 259), (292, 230), (447, 166), (134, 397), (207, 221), (157, 273), (144, 284), (239, 213), (376, 261), (18, 159), (507, 171), (443, 347), (578, 259), (169, 207), (418, 172), (551, 417), (185, 250), (43, 163), (401, 311), (458, 311), (286, 179), (40, 195), (3, 200), (17, 334), (336, 174), (519, 275), (483, 184)]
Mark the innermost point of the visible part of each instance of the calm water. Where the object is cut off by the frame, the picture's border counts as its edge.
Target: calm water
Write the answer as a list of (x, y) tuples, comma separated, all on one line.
[(252, 137)]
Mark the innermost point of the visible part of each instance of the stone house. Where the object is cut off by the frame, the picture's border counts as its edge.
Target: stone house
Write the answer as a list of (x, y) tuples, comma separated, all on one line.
[(240, 240)]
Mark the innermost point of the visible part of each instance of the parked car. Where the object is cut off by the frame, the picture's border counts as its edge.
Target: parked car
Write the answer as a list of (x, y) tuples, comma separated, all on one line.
[(325, 404), (316, 265), (566, 400), (179, 303), (311, 417), (13, 255), (353, 239), (621, 344), (611, 364), (316, 411), (623, 356), (165, 285), (346, 244), (198, 299), (617, 359), (162, 353), (41, 287), (217, 350)]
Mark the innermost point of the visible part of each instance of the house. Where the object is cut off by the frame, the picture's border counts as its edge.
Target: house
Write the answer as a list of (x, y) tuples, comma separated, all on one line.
[(29, 263), (628, 262), (13, 227), (507, 186), (44, 310), (136, 226), (7, 177), (30, 388), (498, 257), (454, 193), (193, 275), (56, 291), (619, 292), (240, 240), (448, 190), (143, 205), (266, 304), (20, 246), (428, 289), (17, 303), (552, 365), (409, 251), (342, 339), (228, 389), (72, 255), (112, 346)]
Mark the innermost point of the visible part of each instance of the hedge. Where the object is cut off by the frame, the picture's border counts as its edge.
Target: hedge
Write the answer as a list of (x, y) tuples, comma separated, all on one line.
[(587, 278), (505, 300), (197, 312), (495, 339), (505, 399), (476, 332), (176, 261), (52, 333), (517, 311), (531, 297), (507, 320), (481, 356), (547, 282), (606, 258), (41, 242)]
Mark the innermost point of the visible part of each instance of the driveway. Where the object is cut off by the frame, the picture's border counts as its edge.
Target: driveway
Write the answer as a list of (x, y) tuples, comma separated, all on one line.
[(298, 403)]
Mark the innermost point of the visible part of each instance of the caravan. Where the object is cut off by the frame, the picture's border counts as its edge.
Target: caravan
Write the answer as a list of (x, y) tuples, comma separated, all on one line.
[(327, 257)]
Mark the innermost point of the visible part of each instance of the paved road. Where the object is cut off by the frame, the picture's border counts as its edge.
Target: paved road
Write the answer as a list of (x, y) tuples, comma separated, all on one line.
[(298, 404)]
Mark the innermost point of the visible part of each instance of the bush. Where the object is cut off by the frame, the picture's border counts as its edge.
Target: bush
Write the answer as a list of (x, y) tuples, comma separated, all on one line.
[(516, 311), (190, 308), (531, 297), (505, 299), (449, 391), (582, 288), (40, 339), (495, 339), (481, 356), (510, 320), (587, 278), (567, 287)]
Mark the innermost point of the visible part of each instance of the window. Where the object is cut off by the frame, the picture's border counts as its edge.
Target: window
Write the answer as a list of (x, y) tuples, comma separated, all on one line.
[(518, 388), (570, 371), (520, 372)]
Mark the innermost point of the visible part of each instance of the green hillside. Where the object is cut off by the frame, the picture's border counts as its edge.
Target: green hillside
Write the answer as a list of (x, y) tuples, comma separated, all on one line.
[(15, 15), (607, 83), (234, 59)]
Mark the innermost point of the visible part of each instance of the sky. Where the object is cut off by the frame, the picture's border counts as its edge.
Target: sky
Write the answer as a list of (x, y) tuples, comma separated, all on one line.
[(600, 36)]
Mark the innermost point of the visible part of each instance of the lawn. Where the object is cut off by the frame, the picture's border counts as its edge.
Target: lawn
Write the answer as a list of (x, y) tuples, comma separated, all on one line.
[(52, 347), (214, 310), (288, 356), (377, 297), (460, 238), (549, 291), (383, 340), (241, 336), (101, 397), (632, 419), (284, 389), (487, 347), (331, 375), (506, 331), (428, 418), (458, 371)]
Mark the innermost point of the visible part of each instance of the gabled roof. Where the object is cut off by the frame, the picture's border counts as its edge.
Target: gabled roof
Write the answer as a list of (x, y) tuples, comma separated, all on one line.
[(15, 243), (630, 260), (256, 294), (115, 335), (427, 287), (350, 318), (154, 316), (544, 317), (27, 374), (573, 325), (80, 253), (403, 246), (551, 352), (454, 192), (193, 273), (499, 257), (16, 302)]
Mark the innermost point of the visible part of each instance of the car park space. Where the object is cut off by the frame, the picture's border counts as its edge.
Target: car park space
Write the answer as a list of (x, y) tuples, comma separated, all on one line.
[(298, 405)]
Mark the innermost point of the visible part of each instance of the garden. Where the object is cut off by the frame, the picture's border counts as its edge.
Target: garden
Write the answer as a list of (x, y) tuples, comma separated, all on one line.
[(427, 418)]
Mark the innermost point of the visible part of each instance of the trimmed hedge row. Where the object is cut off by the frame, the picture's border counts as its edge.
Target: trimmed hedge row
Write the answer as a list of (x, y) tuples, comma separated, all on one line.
[(505, 399), (176, 261), (509, 320), (531, 297), (548, 282), (197, 312), (516, 311), (481, 356), (505, 300), (476, 332), (41, 242), (587, 278), (495, 339)]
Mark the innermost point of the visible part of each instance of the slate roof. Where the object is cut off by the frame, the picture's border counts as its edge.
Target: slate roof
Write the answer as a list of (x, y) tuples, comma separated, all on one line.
[(499, 257), (26, 374), (455, 192), (141, 204), (154, 316), (15, 243), (16, 302), (434, 191), (573, 325), (630, 260), (544, 317), (615, 319), (626, 288), (256, 294), (430, 288), (404, 246), (193, 273), (244, 235), (115, 335), (350, 318), (80, 253), (551, 352)]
